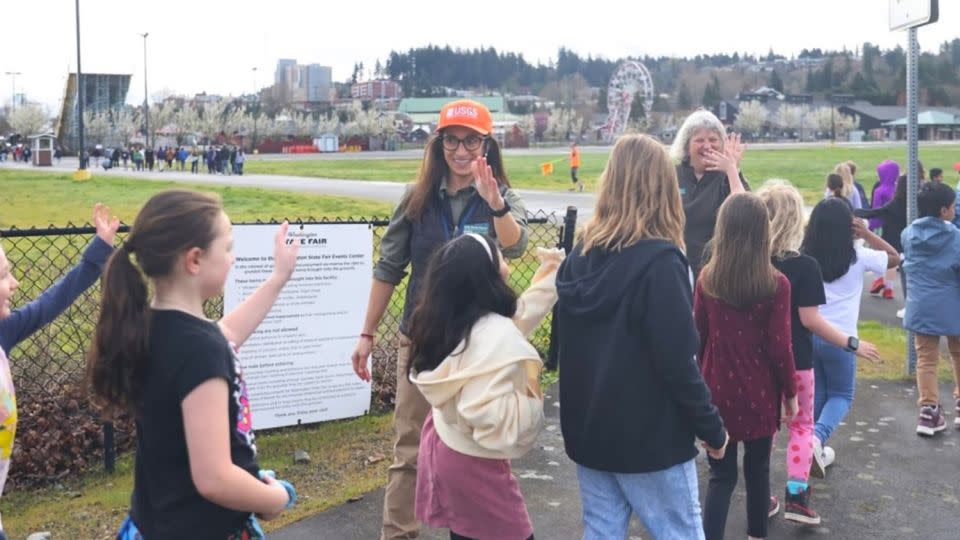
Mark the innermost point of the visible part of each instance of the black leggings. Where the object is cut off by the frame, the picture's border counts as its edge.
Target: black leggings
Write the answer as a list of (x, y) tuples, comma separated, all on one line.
[(723, 479), (455, 536)]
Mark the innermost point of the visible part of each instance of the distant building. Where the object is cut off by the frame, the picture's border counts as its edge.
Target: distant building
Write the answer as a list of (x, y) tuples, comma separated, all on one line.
[(302, 83), (102, 92), (376, 90), (941, 124), (424, 112)]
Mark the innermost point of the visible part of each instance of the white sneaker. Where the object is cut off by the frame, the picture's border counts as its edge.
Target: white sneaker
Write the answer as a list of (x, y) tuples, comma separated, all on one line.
[(829, 456), (901, 312), (818, 469)]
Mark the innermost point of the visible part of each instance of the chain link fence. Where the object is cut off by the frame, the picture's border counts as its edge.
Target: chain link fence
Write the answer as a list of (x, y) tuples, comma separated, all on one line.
[(48, 367)]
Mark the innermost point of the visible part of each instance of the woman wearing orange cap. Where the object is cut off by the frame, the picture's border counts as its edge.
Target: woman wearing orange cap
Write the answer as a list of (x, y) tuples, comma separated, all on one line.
[(462, 188)]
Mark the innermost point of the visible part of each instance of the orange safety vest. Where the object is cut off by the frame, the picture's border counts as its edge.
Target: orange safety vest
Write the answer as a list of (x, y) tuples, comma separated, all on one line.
[(575, 157)]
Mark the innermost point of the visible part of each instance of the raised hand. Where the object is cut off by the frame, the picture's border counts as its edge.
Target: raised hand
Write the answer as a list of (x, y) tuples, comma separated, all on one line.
[(284, 254), (487, 185), (719, 161), (106, 226), (860, 228), (734, 148)]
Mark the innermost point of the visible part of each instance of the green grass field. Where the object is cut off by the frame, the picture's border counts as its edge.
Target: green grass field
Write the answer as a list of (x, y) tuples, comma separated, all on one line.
[(805, 167), (29, 199)]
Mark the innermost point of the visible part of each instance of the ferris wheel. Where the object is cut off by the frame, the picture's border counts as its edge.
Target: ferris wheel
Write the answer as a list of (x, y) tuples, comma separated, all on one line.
[(630, 78)]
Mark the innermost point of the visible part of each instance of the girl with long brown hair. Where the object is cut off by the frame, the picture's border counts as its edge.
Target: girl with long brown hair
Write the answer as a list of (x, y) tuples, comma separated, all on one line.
[(742, 312)]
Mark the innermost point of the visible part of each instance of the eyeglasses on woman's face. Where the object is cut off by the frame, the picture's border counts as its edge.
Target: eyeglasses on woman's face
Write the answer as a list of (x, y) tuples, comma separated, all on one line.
[(470, 142)]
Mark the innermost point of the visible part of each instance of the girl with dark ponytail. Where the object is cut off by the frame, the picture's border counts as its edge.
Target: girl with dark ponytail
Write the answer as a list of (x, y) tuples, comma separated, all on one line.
[(177, 373)]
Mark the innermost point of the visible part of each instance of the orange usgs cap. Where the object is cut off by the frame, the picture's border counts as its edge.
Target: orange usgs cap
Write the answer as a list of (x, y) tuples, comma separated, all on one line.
[(466, 113)]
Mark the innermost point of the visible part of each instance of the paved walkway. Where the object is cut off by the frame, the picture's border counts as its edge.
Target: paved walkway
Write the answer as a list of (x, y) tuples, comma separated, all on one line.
[(887, 482)]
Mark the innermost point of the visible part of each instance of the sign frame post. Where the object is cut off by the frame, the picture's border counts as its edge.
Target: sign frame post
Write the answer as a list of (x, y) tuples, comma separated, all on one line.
[(909, 15)]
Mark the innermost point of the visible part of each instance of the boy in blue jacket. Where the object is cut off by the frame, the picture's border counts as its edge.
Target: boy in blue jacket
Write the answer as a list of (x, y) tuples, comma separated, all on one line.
[(18, 324), (931, 246)]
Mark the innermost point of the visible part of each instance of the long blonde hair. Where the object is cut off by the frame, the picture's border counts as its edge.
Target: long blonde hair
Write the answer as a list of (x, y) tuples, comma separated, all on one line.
[(739, 271), (785, 206), (639, 198), (844, 171)]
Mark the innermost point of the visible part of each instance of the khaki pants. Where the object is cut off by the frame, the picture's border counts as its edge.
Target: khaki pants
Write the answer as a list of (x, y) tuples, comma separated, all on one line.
[(410, 412), (928, 356)]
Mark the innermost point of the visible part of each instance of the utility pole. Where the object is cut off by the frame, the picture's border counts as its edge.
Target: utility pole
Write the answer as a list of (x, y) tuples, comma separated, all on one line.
[(13, 97), (83, 161), (146, 104)]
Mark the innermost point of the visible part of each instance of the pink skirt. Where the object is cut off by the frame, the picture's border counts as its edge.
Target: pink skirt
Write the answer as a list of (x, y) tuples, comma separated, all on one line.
[(474, 497)]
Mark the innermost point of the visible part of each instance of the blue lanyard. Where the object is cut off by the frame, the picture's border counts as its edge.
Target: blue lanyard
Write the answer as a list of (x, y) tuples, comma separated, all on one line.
[(446, 215)]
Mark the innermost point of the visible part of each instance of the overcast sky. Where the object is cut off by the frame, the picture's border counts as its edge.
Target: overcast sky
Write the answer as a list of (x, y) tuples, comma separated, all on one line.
[(198, 45)]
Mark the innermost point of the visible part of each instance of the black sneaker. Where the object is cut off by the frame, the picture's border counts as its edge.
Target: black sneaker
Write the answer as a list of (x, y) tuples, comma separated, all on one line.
[(798, 508), (931, 420)]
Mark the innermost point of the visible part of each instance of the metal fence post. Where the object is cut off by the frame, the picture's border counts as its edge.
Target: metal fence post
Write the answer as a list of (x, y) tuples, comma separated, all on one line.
[(567, 233), (109, 448)]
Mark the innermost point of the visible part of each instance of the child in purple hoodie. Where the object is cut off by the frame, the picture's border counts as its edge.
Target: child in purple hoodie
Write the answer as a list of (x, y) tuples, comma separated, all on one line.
[(883, 192)]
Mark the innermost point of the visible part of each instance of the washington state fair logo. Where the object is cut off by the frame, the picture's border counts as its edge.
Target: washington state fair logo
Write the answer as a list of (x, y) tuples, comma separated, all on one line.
[(305, 238), (462, 111)]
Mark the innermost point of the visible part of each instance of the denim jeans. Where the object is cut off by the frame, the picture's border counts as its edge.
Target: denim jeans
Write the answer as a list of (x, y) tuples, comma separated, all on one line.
[(667, 503), (835, 377)]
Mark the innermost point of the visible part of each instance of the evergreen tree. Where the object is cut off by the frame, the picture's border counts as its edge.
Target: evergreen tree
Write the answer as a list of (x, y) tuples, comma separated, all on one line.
[(684, 100), (711, 94), (775, 81)]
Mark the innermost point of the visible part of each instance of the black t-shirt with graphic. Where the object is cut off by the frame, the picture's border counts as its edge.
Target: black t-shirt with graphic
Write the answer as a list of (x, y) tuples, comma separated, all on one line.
[(184, 352), (806, 290)]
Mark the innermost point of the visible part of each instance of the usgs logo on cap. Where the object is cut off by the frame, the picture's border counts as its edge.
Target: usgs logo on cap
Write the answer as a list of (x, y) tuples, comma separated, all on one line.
[(462, 111)]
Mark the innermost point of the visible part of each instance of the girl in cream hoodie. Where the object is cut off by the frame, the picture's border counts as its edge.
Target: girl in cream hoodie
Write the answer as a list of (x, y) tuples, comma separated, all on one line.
[(475, 367)]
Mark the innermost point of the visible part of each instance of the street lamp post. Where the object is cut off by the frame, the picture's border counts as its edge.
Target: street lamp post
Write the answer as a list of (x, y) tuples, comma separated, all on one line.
[(256, 113), (83, 161), (13, 97), (146, 104)]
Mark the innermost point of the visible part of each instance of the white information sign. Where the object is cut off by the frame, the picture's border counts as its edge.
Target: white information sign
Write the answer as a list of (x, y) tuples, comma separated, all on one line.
[(297, 364), (912, 13)]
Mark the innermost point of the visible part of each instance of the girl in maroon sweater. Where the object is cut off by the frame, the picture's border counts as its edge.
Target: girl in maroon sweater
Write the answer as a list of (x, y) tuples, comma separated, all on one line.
[(742, 312)]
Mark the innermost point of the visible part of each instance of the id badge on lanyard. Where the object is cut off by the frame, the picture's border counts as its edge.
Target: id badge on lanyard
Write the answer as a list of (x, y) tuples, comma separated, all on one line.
[(446, 215)]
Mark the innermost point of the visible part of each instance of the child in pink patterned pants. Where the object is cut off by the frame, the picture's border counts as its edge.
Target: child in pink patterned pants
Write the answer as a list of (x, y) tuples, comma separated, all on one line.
[(786, 210)]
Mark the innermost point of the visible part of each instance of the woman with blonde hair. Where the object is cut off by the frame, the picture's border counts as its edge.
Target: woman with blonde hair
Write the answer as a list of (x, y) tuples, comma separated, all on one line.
[(707, 161), (848, 191), (626, 290), (786, 212), (864, 200)]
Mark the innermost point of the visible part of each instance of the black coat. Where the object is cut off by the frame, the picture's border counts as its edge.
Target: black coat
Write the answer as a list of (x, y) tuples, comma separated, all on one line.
[(632, 399)]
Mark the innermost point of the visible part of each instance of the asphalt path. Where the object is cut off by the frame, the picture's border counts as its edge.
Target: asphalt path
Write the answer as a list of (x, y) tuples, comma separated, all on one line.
[(390, 192), (887, 482)]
